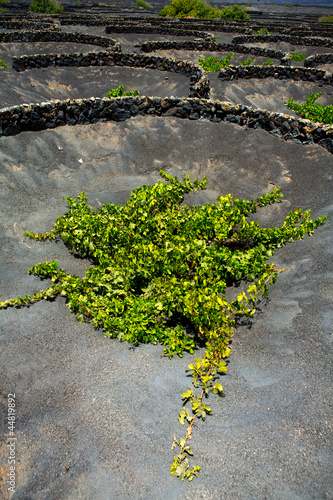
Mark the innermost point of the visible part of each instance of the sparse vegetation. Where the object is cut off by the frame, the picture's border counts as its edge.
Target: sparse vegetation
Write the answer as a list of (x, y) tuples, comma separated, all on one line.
[(213, 63), (269, 62), (297, 57), (46, 7), (162, 272), (263, 31), (288, 5), (3, 64), (326, 19), (203, 10), (145, 5), (248, 62), (235, 12), (311, 110), (119, 92), (190, 8)]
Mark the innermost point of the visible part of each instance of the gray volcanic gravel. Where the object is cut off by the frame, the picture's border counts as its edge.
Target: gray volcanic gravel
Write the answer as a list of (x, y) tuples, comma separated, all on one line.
[(268, 93), (96, 417), (43, 84)]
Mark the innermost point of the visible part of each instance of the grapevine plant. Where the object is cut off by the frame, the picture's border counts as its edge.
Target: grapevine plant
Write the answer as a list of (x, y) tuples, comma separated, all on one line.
[(119, 92), (294, 56), (247, 63), (211, 63), (312, 110), (160, 272)]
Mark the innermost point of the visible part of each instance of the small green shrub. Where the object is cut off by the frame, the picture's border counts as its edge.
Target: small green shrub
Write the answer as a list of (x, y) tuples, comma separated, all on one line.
[(217, 37), (78, 4), (248, 62), (161, 272), (119, 92), (4, 2), (288, 5), (214, 64), (202, 10), (263, 31), (269, 62), (248, 4), (190, 8), (3, 64), (46, 7), (326, 19), (95, 4), (235, 12), (297, 57), (311, 110), (145, 5)]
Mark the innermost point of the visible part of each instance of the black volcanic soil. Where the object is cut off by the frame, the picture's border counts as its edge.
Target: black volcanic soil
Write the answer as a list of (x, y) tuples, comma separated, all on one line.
[(95, 417)]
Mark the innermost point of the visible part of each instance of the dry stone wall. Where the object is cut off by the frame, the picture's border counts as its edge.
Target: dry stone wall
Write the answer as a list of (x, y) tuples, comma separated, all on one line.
[(53, 114), (293, 40), (277, 72), (56, 36), (138, 28), (318, 59), (27, 25), (211, 45), (199, 83)]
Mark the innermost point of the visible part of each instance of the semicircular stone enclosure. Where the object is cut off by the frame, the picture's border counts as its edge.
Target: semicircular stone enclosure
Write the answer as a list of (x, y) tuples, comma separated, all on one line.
[(95, 417)]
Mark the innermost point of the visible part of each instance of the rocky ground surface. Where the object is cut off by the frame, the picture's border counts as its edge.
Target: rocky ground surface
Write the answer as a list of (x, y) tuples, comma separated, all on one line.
[(95, 417)]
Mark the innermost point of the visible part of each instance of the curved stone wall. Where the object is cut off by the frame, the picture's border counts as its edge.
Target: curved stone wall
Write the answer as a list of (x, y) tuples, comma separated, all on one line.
[(56, 36), (296, 27), (125, 28), (318, 59), (212, 46), (53, 114), (278, 72), (199, 83), (27, 25), (293, 40)]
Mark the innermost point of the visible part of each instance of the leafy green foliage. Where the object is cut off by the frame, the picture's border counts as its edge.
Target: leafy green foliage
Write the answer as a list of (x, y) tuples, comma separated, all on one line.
[(235, 12), (269, 62), (190, 8), (46, 6), (160, 273), (119, 92), (297, 57), (203, 10), (248, 62), (326, 19), (145, 5), (3, 64), (263, 31), (213, 63), (313, 110)]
